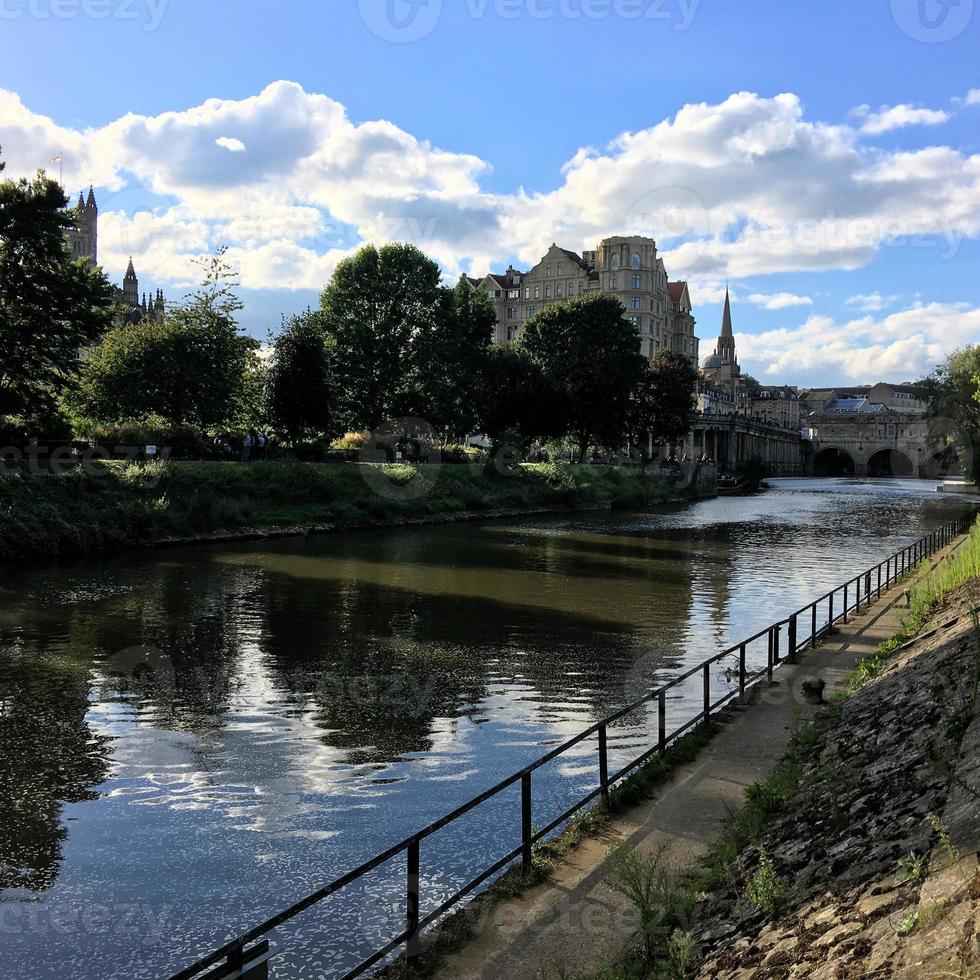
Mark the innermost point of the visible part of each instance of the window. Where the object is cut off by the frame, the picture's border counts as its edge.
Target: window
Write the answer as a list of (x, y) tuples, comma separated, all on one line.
[(558, 290), (581, 288), (635, 260), (636, 282), (548, 270), (547, 292), (635, 320), (511, 333), (527, 292), (530, 311), (514, 294), (558, 272), (613, 282), (614, 260), (635, 303), (537, 292), (511, 312)]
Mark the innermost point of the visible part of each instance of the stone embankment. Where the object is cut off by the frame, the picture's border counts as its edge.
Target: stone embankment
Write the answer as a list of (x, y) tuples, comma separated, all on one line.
[(870, 869)]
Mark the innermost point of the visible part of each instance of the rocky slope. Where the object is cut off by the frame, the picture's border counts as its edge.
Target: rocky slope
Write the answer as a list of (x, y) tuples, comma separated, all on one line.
[(870, 868)]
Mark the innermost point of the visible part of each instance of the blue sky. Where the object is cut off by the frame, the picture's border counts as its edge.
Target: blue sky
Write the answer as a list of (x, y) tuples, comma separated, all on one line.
[(822, 157)]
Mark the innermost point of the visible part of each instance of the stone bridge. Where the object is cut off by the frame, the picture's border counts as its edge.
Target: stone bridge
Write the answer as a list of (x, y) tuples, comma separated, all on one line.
[(880, 444)]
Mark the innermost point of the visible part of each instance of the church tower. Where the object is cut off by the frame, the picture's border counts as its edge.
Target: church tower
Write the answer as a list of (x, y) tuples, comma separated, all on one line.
[(721, 370), (131, 287), (726, 342), (84, 237)]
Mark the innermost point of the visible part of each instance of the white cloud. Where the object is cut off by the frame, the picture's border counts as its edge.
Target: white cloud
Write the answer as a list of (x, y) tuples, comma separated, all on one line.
[(779, 301), (745, 187), (971, 98), (898, 347), (888, 118), (870, 302)]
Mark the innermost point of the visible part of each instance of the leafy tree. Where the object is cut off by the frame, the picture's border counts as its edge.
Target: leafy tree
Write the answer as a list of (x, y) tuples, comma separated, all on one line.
[(194, 367), (377, 304), (50, 305), (301, 386), (662, 402), (952, 392), (446, 359), (591, 354), (749, 386), (515, 401)]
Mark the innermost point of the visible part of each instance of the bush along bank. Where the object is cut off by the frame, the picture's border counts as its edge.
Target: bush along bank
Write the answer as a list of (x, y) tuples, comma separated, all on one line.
[(110, 506)]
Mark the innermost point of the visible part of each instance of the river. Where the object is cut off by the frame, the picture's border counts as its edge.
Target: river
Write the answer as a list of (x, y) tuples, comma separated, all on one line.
[(191, 740)]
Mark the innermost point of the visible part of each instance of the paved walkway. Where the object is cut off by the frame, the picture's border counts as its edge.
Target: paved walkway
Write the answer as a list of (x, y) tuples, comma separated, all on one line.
[(572, 924)]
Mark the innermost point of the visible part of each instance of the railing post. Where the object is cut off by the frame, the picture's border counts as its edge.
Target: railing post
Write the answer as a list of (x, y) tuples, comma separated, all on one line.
[(662, 721), (769, 664), (857, 596), (845, 601), (526, 834), (792, 636), (706, 685), (603, 764), (412, 903), (813, 626), (830, 614), (878, 590), (741, 672)]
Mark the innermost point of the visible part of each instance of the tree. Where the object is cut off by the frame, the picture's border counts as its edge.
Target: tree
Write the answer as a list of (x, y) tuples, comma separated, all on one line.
[(376, 305), (749, 386), (515, 401), (662, 402), (591, 354), (301, 386), (193, 368), (50, 305), (952, 393), (446, 358)]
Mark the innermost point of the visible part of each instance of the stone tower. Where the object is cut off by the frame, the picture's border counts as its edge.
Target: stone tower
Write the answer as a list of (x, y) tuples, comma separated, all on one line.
[(83, 239), (721, 369), (131, 287)]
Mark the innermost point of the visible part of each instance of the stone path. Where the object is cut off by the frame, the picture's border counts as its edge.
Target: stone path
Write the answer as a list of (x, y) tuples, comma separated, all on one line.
[(572, 923)]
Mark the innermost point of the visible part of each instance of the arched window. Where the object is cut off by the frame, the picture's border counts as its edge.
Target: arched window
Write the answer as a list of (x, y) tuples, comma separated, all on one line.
[(635, 260), (614, 260)]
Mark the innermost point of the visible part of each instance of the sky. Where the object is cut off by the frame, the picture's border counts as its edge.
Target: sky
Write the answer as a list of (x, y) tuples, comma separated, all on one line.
[(820, 157)]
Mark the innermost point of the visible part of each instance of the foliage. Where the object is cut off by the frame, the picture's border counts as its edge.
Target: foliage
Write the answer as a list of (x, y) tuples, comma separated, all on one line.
[(50, 305), (590, 354), (378, 303), (913, 867), (193, 368), (952, 393), (662, 402), (766, 890), (516, 401), (301, 388)]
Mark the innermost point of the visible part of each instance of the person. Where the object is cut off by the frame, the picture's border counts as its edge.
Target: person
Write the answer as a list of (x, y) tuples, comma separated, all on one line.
[(260, 451), (247, 444)]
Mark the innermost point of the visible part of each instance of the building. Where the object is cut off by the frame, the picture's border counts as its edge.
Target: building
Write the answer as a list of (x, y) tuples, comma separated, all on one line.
[(864, 398), (775, 404), (83, 240), (628, 268), (720, 370)]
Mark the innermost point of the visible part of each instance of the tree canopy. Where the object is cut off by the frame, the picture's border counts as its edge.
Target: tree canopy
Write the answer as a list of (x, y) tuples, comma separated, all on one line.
[(662, 402), (952, 393)]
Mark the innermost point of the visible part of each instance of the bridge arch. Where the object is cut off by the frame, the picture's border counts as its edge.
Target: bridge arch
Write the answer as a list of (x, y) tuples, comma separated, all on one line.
[(890, 462), (833, 461)]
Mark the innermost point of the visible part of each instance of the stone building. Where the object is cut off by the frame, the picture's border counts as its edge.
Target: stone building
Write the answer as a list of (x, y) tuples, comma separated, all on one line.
[(83, 240), (775, 404), (720, 370), (628, 268)]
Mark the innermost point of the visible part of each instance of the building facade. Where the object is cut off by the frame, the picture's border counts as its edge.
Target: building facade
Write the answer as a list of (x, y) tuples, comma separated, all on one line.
[(628, 268), (83, 240)]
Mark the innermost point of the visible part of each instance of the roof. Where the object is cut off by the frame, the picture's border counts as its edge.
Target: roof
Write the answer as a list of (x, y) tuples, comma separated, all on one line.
[(854, 405), (676, 290), (575, 257)]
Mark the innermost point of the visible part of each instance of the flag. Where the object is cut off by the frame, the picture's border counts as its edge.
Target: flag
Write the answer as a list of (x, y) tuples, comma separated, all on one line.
[(57, 159)]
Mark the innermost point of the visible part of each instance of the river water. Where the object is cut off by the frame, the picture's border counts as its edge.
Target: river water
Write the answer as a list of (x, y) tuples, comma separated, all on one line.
[(192, 740)]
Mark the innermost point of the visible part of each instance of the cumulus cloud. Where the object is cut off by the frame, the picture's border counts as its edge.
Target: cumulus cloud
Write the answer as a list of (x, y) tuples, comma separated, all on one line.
[(779, 301), (903, 345), (745, 187), (888, 118), (870, 302), (971, 98)]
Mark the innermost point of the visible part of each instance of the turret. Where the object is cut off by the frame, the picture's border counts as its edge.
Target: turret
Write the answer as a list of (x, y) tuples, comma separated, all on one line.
[(131, 286)]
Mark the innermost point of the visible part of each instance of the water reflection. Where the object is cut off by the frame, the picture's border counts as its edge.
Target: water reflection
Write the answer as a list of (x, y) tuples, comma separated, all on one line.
[(209, 734)]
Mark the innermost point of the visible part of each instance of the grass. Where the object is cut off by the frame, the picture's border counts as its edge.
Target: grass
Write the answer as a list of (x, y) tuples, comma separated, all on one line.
[(116, 505)]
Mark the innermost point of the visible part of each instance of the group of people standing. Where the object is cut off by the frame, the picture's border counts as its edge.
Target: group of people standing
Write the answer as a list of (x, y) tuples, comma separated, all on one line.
[(253, 445)]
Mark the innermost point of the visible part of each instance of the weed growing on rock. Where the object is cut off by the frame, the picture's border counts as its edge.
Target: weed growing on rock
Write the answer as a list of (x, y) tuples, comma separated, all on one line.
[(913, 867), (766, 890)]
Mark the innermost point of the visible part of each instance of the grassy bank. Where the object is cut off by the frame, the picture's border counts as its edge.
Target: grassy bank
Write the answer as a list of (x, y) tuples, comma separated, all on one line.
[(122, 505)]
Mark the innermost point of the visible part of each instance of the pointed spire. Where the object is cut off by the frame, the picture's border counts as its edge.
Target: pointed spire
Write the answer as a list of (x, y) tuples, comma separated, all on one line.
[(91, 197), (81, 201), (726, 320), (130, 271)]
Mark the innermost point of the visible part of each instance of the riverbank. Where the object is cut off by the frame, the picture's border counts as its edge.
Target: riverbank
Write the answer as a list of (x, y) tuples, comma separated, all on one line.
[(576, 925), (114, 506)]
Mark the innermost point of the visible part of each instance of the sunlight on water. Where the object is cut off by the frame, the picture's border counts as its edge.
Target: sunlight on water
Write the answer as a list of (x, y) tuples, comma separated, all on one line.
[(194, 740)]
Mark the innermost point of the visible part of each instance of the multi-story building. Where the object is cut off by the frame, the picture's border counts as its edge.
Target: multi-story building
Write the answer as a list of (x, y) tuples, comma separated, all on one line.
[(628, 268), (775, 404)]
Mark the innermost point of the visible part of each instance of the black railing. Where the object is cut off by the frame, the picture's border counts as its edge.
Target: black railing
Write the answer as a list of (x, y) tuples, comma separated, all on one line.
[(237, 957)]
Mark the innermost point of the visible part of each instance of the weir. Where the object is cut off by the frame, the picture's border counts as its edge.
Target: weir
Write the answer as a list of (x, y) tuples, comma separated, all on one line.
[(248, 956)]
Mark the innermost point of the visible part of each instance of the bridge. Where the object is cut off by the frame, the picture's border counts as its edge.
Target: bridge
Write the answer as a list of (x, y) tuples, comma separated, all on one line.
[(880, 444), (731, 439)]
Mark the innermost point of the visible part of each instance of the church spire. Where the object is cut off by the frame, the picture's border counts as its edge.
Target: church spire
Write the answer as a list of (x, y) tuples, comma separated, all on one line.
[(91, 198), (726, 342), (726, 320)]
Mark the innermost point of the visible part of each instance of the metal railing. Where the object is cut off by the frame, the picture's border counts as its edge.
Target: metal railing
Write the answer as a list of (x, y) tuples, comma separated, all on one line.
[(803, 629)]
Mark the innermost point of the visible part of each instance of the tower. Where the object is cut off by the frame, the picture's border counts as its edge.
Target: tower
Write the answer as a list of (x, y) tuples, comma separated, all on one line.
[(721, 369), (131, 287), (726, 342), (84, 237)]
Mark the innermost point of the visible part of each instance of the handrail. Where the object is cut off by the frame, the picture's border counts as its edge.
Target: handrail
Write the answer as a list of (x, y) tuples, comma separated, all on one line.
[(886, 573)]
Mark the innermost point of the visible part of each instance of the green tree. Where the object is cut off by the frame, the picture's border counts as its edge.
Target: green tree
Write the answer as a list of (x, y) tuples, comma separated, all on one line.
[(301, 386), (376, 306), (515, 402), (662, 402), (50, 305), (193, 368), (590, 354), (952, 393)]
